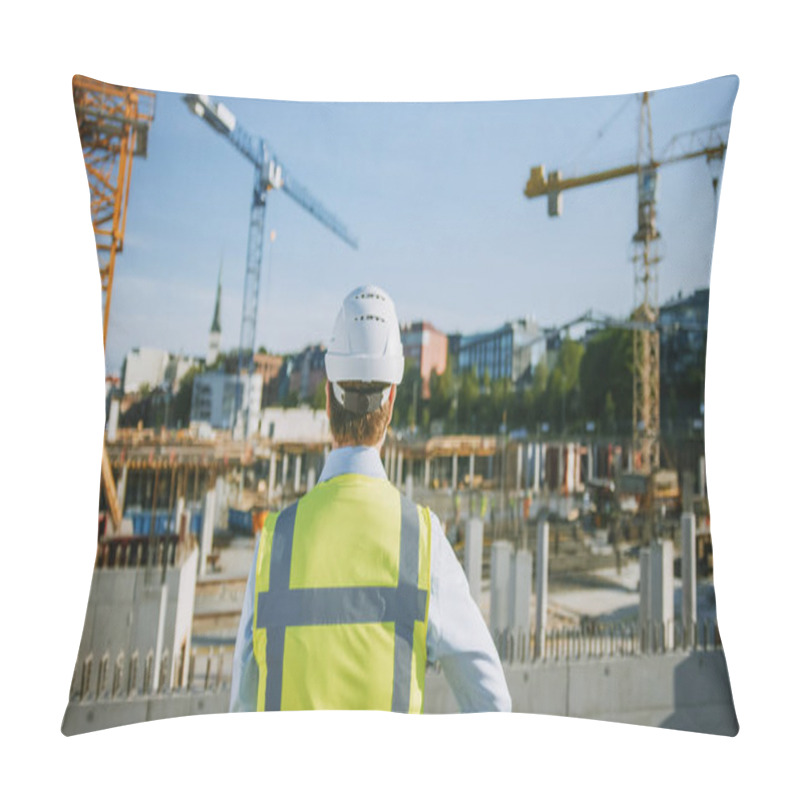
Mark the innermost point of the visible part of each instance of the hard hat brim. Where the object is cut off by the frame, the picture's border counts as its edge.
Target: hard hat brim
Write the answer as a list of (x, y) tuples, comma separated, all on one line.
[(368, 369)]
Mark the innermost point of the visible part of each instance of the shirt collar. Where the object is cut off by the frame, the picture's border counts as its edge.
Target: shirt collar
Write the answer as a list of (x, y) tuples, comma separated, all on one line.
[(353, 460)]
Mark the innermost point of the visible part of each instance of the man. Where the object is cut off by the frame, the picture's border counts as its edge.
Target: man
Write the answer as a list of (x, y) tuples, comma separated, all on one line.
[(354, 588)]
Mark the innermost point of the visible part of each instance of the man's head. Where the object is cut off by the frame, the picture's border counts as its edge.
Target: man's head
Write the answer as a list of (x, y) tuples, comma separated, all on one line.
[(364, 363)]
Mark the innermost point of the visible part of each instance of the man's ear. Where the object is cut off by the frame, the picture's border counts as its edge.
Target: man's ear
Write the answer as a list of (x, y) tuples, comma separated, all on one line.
[(392, 395)]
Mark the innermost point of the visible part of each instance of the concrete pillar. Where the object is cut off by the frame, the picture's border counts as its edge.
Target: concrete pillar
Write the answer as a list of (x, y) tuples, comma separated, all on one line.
[(500, 587), (689, 576), (656, 610), (312, 478), (472, 470), (455, 470), (522, 575), (298, 466), (542, 555), (519, 467), (537, 466), (560, 467), (180, 505), (410, 486), (272, 470), (427, 480), (571, 468), (473, 556), (399, 476), (207, 535), (662, 584), (122, 485), (645, 600), (284, 470), (221, 503), (113, 420)]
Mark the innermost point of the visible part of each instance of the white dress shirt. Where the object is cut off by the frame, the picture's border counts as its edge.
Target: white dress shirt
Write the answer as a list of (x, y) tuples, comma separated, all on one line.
[(457, 635)]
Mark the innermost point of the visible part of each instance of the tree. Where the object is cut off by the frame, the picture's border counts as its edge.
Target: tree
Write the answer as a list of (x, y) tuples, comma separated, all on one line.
[(319, 400), (442, 388), (607, 369), (182, 403)]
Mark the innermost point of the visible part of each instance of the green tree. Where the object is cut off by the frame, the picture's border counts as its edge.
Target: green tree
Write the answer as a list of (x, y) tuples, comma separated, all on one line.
[(468, 396), (319, 400), (442, 393), (182, 402), (607, 369)]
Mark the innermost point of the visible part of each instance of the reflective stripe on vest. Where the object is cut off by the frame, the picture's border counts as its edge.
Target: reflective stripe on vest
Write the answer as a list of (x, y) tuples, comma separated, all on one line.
[(342, 589)]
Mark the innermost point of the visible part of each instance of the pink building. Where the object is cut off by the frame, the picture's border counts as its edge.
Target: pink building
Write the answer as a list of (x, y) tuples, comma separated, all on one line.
[(427, 346)]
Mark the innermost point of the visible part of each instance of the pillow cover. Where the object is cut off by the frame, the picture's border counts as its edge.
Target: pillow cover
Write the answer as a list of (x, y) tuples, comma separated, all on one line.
[(549, 417)]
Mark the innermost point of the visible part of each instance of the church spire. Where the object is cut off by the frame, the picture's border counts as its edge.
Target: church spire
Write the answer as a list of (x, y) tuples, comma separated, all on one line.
[(216, 327)]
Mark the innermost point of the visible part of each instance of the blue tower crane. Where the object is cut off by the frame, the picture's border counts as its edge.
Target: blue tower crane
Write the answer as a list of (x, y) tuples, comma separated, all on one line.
[(269, 174)]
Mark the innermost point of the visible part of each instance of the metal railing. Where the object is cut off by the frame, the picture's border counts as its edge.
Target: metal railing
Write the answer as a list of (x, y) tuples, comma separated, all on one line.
[(607, 640), (96, 680)]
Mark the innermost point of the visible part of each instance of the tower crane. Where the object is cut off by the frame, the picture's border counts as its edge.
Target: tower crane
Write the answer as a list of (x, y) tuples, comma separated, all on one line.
[(708, 143), (269, 174), (113, 123)]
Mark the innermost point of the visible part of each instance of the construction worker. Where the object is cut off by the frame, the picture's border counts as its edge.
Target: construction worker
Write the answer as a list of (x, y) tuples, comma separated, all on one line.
[(354, 588)]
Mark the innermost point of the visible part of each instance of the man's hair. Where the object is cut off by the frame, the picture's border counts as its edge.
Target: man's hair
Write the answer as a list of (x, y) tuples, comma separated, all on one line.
[(353, 428)]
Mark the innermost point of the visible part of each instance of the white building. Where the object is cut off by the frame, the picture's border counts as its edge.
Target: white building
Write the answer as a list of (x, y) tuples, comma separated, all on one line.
[(147, 366), (214, 396), (144, 366), (294, 425)]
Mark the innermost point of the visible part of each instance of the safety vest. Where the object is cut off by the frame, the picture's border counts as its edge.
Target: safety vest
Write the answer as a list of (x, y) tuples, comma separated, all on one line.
[(341, 601)]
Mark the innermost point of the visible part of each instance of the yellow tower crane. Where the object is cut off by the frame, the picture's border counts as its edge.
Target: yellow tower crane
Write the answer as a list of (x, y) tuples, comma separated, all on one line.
[(708, 143), (113, 122)]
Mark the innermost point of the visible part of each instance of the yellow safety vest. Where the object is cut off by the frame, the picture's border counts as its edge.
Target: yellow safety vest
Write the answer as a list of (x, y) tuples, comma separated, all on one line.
[(341, 601)]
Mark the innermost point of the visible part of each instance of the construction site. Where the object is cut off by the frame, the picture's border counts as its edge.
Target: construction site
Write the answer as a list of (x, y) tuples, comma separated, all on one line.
[(587, 549)]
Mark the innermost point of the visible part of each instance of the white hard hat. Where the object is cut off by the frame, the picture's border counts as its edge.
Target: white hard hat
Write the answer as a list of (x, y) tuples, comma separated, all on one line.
[(365, 345)]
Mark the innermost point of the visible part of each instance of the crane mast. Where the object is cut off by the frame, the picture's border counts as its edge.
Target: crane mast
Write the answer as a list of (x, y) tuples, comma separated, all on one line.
[(113, 124), (269, 174), (708, 143), (646, 372)]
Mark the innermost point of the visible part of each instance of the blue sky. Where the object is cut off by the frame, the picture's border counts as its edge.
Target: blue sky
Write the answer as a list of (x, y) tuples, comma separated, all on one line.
[(434, 194)]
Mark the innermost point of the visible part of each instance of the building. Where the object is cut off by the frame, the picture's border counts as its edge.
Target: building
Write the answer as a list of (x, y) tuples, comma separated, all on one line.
[(511, 351), (144, 367), (294, 425), (149, 368), (684, 334), (427, 348), (307, 371), (214, 398), (269, 367)]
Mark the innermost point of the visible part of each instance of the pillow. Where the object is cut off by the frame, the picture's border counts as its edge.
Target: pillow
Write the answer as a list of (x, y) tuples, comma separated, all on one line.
[(549, 417)]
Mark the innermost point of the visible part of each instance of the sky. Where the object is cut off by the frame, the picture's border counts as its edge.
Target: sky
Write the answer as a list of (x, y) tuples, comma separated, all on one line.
[(434, 194)]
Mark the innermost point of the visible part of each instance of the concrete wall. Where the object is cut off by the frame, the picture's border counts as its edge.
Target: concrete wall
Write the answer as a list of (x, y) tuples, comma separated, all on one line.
[(85, 717), (684, 691), (126, 613)]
